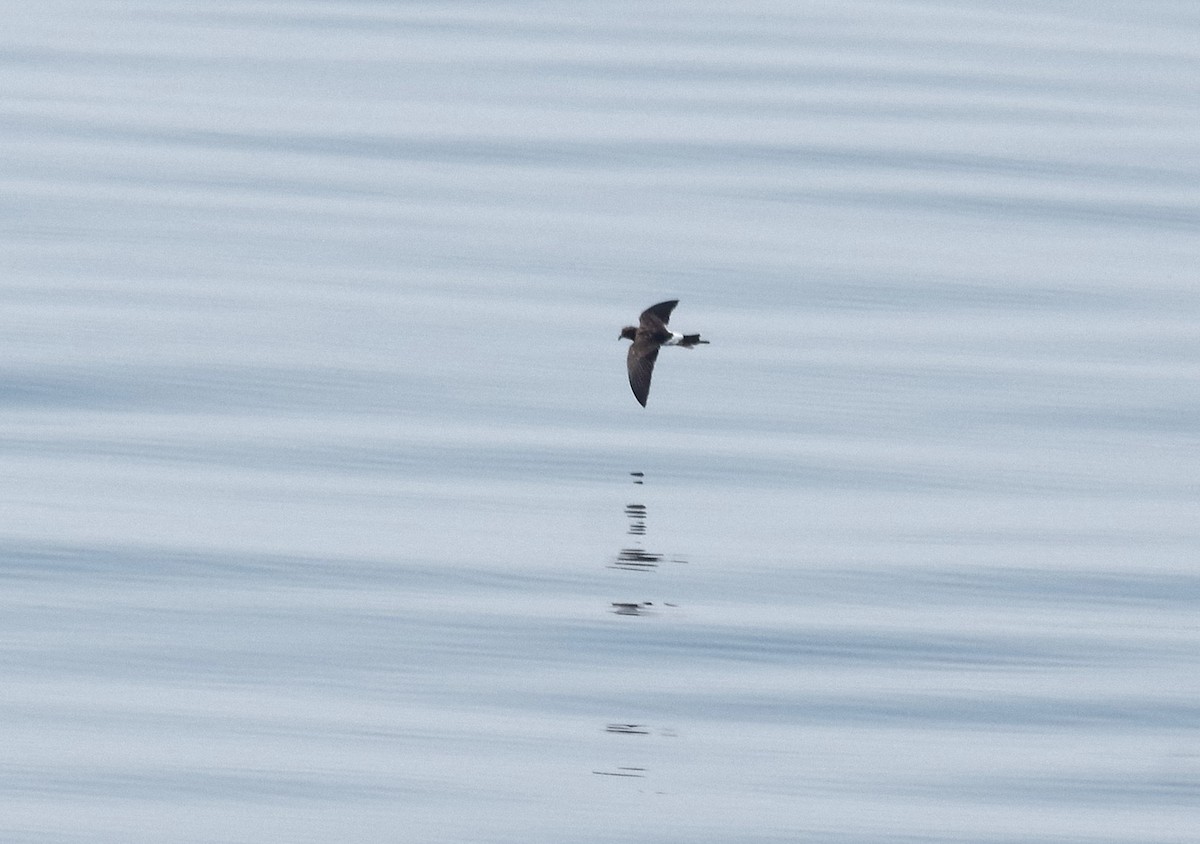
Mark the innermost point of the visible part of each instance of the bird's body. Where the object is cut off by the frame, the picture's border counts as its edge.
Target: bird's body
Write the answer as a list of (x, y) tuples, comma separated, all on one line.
[(651, 334)]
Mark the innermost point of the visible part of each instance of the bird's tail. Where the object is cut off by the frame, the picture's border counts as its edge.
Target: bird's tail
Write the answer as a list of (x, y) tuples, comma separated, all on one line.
[(690, 340)]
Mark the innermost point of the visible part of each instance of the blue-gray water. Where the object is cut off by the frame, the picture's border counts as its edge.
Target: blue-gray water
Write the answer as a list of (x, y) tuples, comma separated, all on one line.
[(318, 521)]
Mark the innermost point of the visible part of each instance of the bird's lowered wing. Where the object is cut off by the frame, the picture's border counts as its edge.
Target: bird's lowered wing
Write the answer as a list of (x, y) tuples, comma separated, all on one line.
[(640, 360)]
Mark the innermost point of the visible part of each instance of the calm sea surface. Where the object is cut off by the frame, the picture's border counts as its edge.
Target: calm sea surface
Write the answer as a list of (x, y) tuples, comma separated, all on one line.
[(327, 515)]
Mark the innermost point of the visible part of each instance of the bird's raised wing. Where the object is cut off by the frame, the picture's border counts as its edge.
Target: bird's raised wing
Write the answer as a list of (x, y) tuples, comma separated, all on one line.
[(656, 316)]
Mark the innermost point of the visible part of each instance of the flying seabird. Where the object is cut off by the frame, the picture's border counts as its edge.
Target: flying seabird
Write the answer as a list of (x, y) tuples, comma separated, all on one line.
[(648, 337)]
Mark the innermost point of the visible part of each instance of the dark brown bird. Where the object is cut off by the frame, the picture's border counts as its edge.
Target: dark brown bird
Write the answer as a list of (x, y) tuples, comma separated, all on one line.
[(648, 337)]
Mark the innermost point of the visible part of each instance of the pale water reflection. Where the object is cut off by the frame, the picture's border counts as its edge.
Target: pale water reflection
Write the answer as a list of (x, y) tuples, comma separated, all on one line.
[(317, 518)]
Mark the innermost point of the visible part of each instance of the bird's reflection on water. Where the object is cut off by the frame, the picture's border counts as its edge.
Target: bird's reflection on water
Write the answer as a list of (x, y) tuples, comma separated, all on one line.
[(631, 608), (637, 519), (636, 558)]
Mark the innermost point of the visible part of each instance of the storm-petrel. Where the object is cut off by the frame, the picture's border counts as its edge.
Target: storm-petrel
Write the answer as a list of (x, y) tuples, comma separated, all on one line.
[(650, 335)]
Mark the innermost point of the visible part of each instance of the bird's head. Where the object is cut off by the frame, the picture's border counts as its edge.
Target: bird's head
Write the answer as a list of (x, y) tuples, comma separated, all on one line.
[(628, 333)]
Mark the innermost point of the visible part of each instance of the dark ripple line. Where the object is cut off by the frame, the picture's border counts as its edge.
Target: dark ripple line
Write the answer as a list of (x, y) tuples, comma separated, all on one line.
[(614, 152)]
